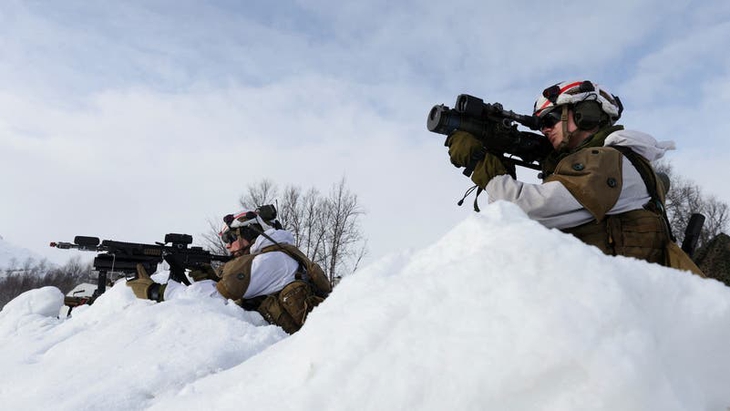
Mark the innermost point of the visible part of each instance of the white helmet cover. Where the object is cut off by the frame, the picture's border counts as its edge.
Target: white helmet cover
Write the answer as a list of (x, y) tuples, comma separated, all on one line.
[(572, 92), (243, 219)]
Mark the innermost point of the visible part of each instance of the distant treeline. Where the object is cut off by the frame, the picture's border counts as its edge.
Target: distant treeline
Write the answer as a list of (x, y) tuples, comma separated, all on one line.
[(32, 274)]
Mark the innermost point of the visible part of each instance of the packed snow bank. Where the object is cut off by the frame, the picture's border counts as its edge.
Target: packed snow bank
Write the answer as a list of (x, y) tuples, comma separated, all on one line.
[(121, 352), (499, 314), (43, 302)]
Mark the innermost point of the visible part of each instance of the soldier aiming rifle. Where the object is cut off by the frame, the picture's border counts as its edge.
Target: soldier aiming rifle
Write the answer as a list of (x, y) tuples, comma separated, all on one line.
[(598, 182)]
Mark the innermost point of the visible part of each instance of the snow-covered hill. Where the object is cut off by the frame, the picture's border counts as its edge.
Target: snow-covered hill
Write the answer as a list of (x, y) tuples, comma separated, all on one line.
[(500, 314), (12, 256)]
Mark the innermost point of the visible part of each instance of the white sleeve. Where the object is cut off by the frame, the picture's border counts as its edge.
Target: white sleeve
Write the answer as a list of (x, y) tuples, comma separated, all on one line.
[(553, 206)]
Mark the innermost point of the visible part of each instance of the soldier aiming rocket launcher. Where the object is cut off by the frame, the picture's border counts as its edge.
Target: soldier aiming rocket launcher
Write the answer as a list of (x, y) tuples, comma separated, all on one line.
[(122, 257), (495, 127)]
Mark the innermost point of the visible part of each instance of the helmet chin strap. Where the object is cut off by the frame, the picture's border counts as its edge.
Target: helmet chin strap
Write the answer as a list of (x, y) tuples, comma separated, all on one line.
[(564, 124), (567, 135)]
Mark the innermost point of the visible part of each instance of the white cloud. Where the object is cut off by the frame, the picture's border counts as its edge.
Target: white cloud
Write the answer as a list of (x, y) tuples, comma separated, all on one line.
[(168, 113), (139, 163)]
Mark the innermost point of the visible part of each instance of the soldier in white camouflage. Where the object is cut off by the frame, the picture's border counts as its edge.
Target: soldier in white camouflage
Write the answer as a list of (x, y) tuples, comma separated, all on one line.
[(589, 188), (268, 273)]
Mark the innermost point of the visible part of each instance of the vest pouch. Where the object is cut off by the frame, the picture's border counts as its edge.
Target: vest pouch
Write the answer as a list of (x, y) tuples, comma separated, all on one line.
[(639, 234), (273, 312), (298, 299), (677, 258), (289, 308)]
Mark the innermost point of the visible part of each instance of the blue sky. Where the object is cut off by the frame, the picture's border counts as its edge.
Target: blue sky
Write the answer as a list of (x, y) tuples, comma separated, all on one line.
[(130, 120)]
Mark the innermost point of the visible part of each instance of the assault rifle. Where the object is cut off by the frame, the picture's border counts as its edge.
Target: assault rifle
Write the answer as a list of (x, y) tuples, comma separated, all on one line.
[(122, 257), (495, 127)]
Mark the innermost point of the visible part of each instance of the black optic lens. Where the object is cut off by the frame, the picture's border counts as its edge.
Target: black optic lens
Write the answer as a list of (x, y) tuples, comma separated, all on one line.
[(228, 219), (551, 118)]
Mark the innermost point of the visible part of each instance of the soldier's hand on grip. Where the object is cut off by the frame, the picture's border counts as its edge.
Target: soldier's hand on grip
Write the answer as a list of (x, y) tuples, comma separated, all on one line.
[(464, 148), (487, 169)]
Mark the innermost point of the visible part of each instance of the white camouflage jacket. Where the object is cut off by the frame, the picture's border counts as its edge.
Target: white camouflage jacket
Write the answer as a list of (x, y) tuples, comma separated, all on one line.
[(270, 271), (552, 204)]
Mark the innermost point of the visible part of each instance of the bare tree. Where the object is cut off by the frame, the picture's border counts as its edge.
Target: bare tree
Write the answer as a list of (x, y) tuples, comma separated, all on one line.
[(212, 240), (685, 198), (311, 237), (343, 233), (76, 268), (290, 212), (28, 265), (716, 219), (263, 192), (12, 266)]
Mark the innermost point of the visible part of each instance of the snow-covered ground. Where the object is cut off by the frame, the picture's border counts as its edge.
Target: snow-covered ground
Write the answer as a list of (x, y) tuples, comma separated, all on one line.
[(500, 314)]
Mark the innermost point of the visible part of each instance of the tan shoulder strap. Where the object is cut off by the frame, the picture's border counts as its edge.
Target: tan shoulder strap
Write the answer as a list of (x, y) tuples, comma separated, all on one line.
[(288, 249)]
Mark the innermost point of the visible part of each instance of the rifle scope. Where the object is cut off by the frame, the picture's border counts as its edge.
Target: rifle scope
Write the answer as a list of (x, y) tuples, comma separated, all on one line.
[(178, 239), (476, 107)]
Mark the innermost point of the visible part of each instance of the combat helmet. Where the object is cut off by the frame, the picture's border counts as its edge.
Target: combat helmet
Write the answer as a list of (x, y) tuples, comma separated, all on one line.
[(249, 224), (592, 104)]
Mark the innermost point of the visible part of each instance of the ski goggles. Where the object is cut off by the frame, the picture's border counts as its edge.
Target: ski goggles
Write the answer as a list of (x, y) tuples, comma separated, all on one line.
[(235, 225), (229, 236)]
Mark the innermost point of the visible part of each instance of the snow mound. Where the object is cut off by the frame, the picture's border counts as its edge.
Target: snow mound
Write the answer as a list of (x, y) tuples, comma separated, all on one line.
[(501, 313)]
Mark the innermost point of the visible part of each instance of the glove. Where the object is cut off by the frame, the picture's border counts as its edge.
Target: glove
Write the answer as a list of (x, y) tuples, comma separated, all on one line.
[(204, 272), (143, 286), (487, 169), (464, 148)]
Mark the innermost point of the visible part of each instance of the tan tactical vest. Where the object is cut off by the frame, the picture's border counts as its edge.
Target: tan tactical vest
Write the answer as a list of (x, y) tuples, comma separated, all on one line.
[(287, 308), (593, 175)]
